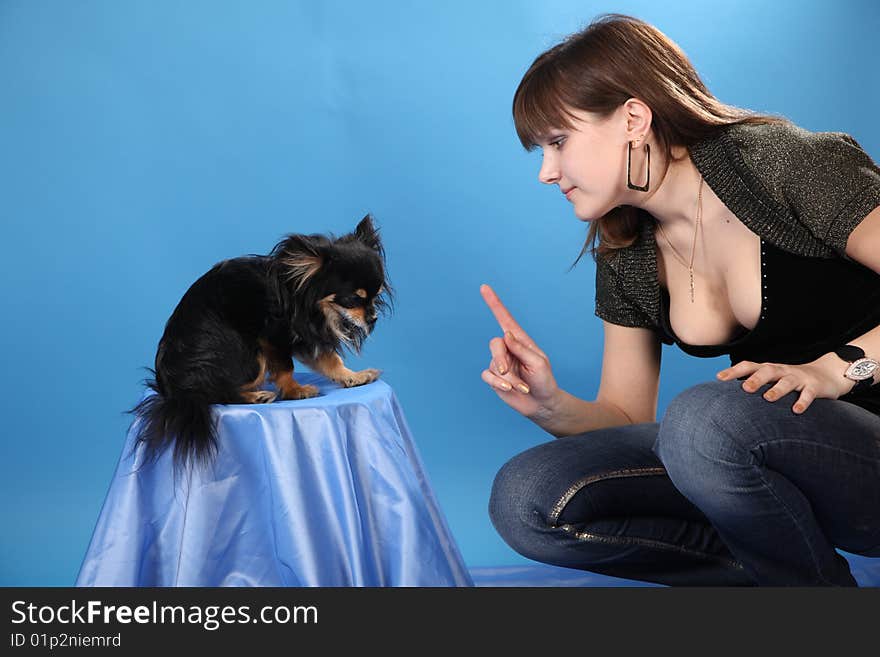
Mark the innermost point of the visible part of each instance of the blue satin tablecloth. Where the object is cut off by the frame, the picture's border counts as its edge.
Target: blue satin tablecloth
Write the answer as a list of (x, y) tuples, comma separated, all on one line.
[(328, 491)]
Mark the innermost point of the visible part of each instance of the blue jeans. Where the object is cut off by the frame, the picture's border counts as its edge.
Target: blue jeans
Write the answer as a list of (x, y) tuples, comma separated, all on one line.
[(727, 490)]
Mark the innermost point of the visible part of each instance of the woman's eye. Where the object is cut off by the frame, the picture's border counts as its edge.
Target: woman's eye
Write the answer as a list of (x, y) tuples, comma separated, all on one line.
[(557, 143)]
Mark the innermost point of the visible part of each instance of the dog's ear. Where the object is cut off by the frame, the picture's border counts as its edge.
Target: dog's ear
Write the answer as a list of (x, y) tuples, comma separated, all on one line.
[(301, 257), (366, 233)]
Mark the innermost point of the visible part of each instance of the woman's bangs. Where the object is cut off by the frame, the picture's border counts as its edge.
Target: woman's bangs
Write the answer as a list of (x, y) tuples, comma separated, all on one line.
[(539, 107)]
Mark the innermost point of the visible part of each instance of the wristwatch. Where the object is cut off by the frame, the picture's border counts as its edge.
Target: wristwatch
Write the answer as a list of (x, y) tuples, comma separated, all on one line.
[(861, 369)]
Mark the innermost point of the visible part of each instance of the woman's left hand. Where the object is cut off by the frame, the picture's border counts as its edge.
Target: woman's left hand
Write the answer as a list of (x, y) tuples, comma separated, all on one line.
[(821, 378)]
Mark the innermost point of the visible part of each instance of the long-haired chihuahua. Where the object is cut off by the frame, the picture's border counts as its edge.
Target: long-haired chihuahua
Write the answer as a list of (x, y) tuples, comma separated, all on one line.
[(252, 315)]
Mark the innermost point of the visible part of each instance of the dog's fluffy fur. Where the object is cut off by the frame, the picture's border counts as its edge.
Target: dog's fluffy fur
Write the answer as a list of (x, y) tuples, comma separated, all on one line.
[(310, 297)]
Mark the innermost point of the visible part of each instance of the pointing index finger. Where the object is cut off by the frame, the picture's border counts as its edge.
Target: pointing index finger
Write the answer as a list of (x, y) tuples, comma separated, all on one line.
[(505, 319), (502, 315)]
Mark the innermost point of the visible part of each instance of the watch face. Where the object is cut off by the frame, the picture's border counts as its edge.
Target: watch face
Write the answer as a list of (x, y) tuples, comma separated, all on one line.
[(862, 369)]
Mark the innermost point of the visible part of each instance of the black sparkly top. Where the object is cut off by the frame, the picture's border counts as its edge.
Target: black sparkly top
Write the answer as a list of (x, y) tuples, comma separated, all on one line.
[(802, 193), (790, 329)]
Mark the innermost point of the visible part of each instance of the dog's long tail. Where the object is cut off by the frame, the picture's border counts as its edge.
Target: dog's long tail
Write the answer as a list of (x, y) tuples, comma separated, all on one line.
[(179, 418)]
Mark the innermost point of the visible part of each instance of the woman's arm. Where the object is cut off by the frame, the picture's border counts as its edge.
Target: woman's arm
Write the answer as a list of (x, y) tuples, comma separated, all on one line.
[(628, 388), (521, 375), (863, 243), (863, 246)]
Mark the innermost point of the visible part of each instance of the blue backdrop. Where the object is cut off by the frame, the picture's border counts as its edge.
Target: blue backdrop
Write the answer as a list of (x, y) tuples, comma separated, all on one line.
[(141, 142)]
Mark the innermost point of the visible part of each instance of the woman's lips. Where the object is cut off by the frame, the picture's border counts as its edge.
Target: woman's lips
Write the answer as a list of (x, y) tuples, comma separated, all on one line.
[(568, 193)]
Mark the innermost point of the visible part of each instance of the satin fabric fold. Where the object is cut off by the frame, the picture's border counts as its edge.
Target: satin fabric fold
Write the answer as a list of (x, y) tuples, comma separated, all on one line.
[(328, 491)]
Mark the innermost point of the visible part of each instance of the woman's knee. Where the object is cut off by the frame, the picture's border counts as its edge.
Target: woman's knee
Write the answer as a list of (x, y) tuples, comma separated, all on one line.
[(511, 502), (545, 486), (528, 488), (705, 435)]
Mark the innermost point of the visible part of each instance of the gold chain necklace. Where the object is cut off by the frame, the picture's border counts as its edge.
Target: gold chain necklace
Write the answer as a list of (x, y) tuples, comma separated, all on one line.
[(690, 267)]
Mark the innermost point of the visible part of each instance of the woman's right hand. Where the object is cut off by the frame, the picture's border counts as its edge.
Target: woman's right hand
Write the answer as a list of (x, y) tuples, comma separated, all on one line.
[(519, 371)]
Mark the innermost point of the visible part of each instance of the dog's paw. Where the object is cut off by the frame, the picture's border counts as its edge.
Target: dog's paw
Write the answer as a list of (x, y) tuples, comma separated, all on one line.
[(303, 392), (360, 378), (260, 397)]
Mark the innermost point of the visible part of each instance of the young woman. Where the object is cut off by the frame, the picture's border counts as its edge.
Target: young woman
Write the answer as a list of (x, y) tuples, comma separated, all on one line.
[(724, 232)]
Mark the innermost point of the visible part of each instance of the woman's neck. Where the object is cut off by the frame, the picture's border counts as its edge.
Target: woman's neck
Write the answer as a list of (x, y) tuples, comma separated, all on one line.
[(673, 202)]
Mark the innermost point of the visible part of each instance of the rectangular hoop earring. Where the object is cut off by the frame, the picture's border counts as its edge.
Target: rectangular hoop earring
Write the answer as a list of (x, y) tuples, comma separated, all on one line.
[(629, 182)]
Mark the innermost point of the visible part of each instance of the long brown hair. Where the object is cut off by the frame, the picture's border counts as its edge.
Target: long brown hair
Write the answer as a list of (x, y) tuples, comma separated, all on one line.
[(597, 69)]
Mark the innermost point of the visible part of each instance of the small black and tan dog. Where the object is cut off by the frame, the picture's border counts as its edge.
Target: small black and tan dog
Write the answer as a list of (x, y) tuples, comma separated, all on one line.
[(309, 298)]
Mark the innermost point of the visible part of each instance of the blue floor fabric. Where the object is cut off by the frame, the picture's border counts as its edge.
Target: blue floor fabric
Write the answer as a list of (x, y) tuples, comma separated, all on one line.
[(545, 575), (866, 571)]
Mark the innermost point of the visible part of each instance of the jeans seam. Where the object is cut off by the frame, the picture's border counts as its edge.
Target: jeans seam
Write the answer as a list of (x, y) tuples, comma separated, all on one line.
[(839, 450), (586, 481), (757, 465), (647, 542), (796, 524)]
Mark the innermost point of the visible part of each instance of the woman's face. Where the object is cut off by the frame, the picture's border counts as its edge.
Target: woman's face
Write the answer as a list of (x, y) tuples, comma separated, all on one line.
[(589, 163)]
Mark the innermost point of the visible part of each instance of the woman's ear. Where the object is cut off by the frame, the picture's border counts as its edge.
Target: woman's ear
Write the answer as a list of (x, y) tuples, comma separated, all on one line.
[(637, 116)]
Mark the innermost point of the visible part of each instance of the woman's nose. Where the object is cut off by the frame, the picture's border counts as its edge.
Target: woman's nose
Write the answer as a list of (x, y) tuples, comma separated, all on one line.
[(549, 173)]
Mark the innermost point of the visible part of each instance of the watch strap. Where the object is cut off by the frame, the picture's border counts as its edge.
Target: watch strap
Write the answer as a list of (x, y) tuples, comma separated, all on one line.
[(864, 384), (850, 352)]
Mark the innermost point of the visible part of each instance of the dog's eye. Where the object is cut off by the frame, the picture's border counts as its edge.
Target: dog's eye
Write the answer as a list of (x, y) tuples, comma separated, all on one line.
[(349, 301)]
